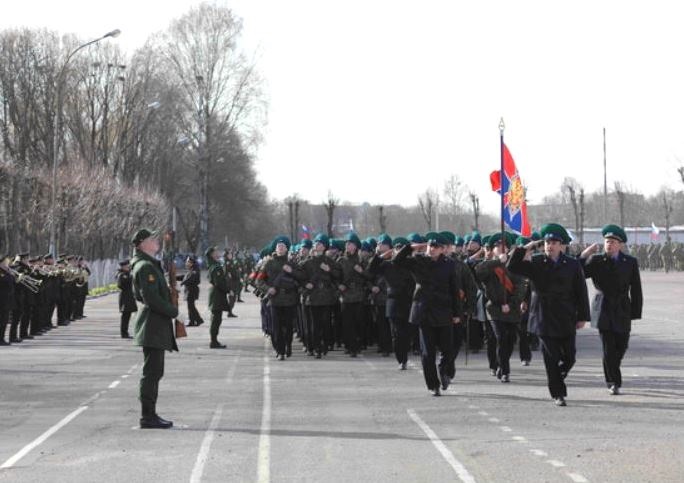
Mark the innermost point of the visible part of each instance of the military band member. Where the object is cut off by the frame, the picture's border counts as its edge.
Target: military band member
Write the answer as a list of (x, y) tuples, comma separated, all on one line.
[(190, 283), (7, 283), (127, 305), (559, 304), (618, 299), (218, 295), (154, 329)]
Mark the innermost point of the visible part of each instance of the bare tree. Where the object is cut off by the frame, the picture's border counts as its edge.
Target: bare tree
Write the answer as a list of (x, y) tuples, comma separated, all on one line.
[(667, 211), (681, 172), (475, 202), (573, 191), (427, 203), (382, 219), (330, 206)]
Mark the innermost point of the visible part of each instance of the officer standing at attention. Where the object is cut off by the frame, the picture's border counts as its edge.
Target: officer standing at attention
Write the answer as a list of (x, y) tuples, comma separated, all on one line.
[(559, 304), (191, 282), (218, 294), (618, 298), (127, 304), (154, 329)]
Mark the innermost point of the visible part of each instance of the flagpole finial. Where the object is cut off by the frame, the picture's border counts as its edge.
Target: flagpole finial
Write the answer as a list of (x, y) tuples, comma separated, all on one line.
[(502, 126)]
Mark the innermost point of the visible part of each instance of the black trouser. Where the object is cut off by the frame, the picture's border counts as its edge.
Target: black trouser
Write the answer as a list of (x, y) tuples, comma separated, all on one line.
[(14, 328), (352, 324), (490, 340), (336, 330), (25, 321), (402, 332), (125, 319), (524, 341), (4, 319), (433, 339), (614, 347), (475, 334), (505, 333), (265, 316), (384, 331), (215, 324), (49, 312), (193, 313), (318, 320), (459, 335), (36, 323), (559, 357), (283, 321), (152, 372)]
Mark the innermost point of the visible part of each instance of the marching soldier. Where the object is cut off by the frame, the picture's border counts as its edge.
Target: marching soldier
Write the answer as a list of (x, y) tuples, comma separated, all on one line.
[(618, 300), (559, 304), (352, 288), (127, 304), (218, 295), (7, 283), (190, 283), (154, 330)]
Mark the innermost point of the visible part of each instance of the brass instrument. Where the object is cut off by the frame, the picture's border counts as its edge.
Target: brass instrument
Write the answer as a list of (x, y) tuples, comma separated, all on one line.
[(82, 277), (29, 282)]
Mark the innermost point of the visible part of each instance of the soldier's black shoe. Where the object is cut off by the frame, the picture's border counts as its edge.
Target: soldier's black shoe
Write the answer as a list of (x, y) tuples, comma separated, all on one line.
[(154, 422), (27, 336), (15, 340), (525, 363), (435, 392), (505, 378), (499, 374), (614, 390), (240, 300), (217, 345), (492, 372), (231, 314), (319, 355), (4, 342), (446, 380), (402, 366), (560, 402), (281, 357), (126, 336), (353, 354)]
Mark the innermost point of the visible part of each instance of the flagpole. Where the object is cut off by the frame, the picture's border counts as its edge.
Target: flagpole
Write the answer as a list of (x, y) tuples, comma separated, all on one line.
[(502, 127)]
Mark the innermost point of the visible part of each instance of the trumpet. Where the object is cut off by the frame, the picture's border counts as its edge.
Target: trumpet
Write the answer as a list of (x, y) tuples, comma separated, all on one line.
[(29, 282)]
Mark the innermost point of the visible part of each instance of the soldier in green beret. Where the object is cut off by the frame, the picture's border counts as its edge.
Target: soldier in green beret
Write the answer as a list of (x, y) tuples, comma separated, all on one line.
[(218, 294), (618, 298), (352, 288), (154, 330)]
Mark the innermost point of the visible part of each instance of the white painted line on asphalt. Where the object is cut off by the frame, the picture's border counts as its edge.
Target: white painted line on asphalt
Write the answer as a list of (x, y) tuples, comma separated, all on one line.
[(203, 454), (264, 455), (114, 384), (233, 367), (577, 478), (125, 376), (473, 407), (133, 368), (556, 463), (505, 429), (461, 471), (494, 420), (519, 439), (368, 363), (538, 452), (93, 398), (483, 413), (42, 438)]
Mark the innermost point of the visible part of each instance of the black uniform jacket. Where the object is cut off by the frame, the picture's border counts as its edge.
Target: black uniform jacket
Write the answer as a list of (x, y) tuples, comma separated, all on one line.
[(618, 299), (400, 287), (559, 293), (191, 283), (436, 299), (124, 280)]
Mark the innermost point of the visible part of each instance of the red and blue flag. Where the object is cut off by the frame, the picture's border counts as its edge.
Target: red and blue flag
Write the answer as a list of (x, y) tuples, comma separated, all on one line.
[(515, 205)]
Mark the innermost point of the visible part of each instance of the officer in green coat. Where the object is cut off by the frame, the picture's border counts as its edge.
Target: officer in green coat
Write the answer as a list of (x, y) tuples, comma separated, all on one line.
[(154, 329), (218, 294)]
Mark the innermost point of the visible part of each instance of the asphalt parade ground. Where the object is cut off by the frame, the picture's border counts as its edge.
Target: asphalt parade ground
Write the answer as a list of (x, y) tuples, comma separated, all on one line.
[(69, 410)]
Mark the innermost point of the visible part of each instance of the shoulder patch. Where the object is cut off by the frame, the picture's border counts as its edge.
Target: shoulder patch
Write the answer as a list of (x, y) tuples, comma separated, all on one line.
[(150, 278)]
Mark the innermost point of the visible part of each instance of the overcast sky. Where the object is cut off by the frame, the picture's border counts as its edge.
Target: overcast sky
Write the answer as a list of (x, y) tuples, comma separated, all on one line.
[(379, 100)]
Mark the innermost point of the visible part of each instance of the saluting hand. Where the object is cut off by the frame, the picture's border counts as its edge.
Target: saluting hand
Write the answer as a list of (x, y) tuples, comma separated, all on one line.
[(590, 250)]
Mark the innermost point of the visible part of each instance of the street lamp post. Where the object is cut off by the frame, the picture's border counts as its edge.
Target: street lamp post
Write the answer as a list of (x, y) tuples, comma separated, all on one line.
[(57, 129)]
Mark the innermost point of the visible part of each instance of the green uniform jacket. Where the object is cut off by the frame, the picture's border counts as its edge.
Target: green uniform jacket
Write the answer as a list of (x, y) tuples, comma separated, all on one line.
[(218, 292), (273, 276), (486, 272), (154, 323), (356, 283), (324, 291)]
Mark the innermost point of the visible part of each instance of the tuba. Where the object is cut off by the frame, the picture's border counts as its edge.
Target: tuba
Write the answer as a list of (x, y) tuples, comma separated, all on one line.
[(30, 283)]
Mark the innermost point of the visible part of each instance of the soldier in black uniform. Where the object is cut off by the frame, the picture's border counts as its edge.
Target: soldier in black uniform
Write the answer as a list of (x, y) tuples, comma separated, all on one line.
[(127, 304), (190, 283), (7, 282), (23, 316), (618, 298), (436, 308), (559, 304)]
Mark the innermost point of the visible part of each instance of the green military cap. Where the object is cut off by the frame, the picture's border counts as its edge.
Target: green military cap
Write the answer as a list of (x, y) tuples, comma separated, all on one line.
[(372, 242), (436, 239), (385, 239), (400, 241), (142, 235), (366, 246), (614, 231), (209, 251), (353, 238), (415, 238), (460, 241), (476, 237), (485, 241), (306, 243), (449, 236), (282, 239), (338, 244), (323, 239), (536, 236), (431, 235), (509, 239), (554, 231), (522, 241), (467, 238)]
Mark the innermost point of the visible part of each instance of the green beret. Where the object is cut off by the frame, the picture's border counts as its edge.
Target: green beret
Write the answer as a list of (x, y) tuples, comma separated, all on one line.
[(484, 241), (554, 231), (353, 238), (209, 251), (450, 237), (385, 239), (306, 243), (338, 244), (436, 239), (509, 239), (142, 235), (460, 241), (522, 241), (614, 231), (431, 235), (536, 236), (400, 241), (323, 239), (476, 237), (372, 242), (467, 238), (366, 246), (415, 238), (282, 239)]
